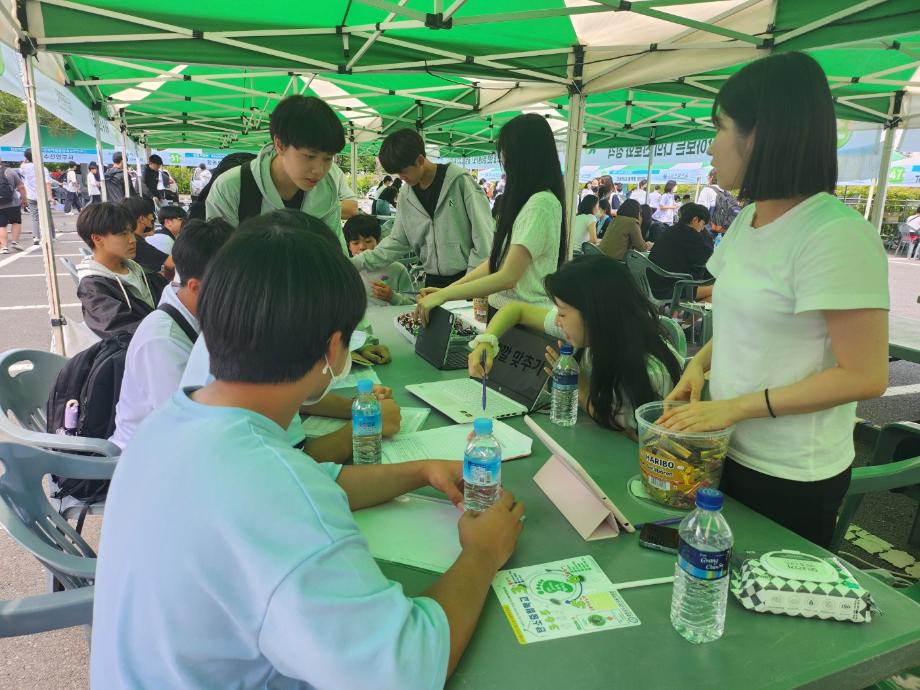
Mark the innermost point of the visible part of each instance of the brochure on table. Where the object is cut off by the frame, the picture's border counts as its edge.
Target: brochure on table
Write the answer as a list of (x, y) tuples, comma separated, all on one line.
[(449, 443), (412, 419), (561, 599)]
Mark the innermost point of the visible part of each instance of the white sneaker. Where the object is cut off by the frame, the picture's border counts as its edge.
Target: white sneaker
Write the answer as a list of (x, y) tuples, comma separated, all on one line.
[(69, 213), (15, 245), (36, 241), (4, 250)]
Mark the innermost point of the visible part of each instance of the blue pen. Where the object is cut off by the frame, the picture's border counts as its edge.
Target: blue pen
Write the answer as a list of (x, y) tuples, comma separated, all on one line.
[(669, 521), (483, 379)]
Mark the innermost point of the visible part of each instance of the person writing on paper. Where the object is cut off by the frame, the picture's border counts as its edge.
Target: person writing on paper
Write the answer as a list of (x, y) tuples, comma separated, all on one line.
[(530, 234), (257, 575), (632, 366), (800, 301)]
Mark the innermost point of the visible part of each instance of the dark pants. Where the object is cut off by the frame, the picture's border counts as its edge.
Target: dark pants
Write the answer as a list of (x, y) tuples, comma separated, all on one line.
[(442, 281), (73, 199), (95, 198), (807, 508)]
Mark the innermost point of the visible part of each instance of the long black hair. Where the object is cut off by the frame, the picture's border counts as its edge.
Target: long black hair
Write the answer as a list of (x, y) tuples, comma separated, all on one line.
[(622, 333), (527, 150)]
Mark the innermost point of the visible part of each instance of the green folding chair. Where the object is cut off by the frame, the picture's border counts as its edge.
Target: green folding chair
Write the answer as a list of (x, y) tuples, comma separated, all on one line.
[(676, 336)]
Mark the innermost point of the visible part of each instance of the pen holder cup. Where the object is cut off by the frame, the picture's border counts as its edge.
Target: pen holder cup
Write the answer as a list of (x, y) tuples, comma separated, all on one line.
[(674, 464)]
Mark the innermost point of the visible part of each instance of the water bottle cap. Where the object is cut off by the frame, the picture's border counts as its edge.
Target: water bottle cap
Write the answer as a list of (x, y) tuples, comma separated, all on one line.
[(365, 385), (709, 499), (482, 425), (566, 349)]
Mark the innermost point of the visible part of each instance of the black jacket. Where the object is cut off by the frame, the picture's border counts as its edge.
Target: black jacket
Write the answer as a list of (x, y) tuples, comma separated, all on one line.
[(678, 250), (114, 184), (109, 309)]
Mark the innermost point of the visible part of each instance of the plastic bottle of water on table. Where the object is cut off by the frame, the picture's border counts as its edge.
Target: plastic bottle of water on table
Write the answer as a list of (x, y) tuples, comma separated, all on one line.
[(366, 425), (701, 575), (564, 407), (482, 468)]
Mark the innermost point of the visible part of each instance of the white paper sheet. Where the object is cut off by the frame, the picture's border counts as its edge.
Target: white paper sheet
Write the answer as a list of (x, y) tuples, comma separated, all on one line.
[(351, 381), (449, 442), (414, 530), (412, 420)]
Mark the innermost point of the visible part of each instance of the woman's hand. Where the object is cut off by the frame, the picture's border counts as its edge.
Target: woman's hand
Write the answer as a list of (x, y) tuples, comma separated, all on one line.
[(690, 386), (424, 292), (426, 304), (708, 415), (474, 362), (552, 355)]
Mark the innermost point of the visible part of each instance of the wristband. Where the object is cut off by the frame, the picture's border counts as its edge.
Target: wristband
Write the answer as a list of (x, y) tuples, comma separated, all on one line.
[(487, 339)]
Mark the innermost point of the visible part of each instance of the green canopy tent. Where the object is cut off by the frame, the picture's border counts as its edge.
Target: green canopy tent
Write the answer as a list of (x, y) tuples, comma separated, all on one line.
[(479, 56)]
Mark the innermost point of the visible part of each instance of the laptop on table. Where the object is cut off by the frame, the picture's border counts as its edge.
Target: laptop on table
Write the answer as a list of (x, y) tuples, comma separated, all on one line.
[(444, 342), (516, 385)]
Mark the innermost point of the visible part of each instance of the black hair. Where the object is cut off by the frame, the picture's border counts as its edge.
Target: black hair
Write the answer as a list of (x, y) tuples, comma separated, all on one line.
[(27, 154), (669, 186), (400, 150), (685, 196), (387, 178), (688, 212), (307, 122), (274, 295), (389, 194), (137, 206), (92, 164), (231, 160), (630, 208), (645, 222), (197, 244), (398, 183), (169, 212), (116, 157), (104, 218), (604, 203), (642, 184), (202, 166), (154, 158), (363, 225), (604, 186), (587, 204), (621, 332), (497, 205), (72, 164), (527, 148), (786, 99)]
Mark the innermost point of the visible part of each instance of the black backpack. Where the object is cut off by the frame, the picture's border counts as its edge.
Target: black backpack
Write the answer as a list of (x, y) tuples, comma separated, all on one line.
[(7, 192), (93, 378), (725, 210), (250, 203)]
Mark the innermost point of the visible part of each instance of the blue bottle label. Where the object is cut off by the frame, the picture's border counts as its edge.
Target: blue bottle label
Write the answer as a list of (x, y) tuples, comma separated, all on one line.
[(703, 565), (481, 472), (565, 381), (364, 424)]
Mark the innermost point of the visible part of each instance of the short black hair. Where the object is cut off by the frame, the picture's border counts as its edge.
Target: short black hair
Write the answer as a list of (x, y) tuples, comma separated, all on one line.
[(116, 157), (630, 208), (105, 218), (587, 204), (786, 98), (154, 158), (688, 212), (400, 150), (92, 165), (197, 244), (285, 272), (389, 194), (72, 164), (202, 166), (137, 206), (27, 154), (363, 225), (307, 122), (169, 212)]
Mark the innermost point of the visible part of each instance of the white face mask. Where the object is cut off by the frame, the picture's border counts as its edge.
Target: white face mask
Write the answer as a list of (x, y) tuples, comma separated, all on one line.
[(333, 379)]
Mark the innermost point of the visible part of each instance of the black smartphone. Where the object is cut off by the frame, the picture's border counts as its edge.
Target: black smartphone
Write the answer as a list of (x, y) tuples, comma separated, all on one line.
[(659, 537)]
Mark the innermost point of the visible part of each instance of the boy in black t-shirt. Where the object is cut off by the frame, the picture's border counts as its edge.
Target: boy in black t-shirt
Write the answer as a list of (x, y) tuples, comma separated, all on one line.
[(682, 249)]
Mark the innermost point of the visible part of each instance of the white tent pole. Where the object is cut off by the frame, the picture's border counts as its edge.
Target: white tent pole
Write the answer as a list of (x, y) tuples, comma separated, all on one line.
[(44, 210), (99, 155), (124, 155), (354, 162), (881, 194), (651, 159), (870, 195), (573, 135), (699, 182)]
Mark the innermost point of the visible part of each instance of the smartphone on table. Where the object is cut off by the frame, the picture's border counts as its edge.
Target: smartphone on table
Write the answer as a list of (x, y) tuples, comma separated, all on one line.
[(659, 537)]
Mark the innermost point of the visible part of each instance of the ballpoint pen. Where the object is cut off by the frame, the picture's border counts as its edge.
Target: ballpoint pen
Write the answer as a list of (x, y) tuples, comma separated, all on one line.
[(483, 379)]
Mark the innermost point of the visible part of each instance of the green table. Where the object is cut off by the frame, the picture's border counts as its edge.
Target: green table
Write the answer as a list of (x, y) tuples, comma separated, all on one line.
[(757, 650)]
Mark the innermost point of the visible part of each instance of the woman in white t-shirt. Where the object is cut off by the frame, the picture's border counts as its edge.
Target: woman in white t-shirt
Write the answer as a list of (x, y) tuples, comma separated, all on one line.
[(631, 362), (799, 307), (667, 204), (585, 229), (530, 236)]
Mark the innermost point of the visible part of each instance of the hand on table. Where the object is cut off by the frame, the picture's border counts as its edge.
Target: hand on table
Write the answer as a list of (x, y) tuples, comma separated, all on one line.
[(390, 417), (447, 477), (474, 362), (493, 533), (378, 354), (382, 291)]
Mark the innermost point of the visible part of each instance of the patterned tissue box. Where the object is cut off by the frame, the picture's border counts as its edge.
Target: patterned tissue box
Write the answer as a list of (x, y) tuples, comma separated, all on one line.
[(758, 589)]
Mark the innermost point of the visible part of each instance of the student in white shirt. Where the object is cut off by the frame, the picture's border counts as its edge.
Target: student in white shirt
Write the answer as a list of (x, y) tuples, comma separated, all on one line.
[(530, 233), (74, 195), (162, 343), (93, 184), (255, 574), (27, 172), (639, 193), (655, 197), (799, 307), (171, 218), (709, 193), (597, 307), (585, 229), (666, 204)]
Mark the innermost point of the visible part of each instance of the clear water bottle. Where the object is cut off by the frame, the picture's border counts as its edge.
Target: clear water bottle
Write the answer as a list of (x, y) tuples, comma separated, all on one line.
[(71, 419), (564, 409), (482, 468), (366, 425), (701, 575)]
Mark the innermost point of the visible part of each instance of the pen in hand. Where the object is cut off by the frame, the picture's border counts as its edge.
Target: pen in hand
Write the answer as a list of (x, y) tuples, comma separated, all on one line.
[(483, 379)]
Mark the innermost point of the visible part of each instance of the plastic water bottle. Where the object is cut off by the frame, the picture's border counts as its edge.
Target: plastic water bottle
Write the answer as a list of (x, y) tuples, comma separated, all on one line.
[(71, 419), (701, 575), (366, 425), (564, 409), (482, 468)]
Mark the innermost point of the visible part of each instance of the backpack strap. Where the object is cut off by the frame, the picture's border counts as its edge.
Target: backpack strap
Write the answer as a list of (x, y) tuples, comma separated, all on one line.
[(250, 196), (181, 321)]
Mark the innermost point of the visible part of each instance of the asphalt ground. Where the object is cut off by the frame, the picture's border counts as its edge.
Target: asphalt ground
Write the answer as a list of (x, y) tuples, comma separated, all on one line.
[(59, 660)]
